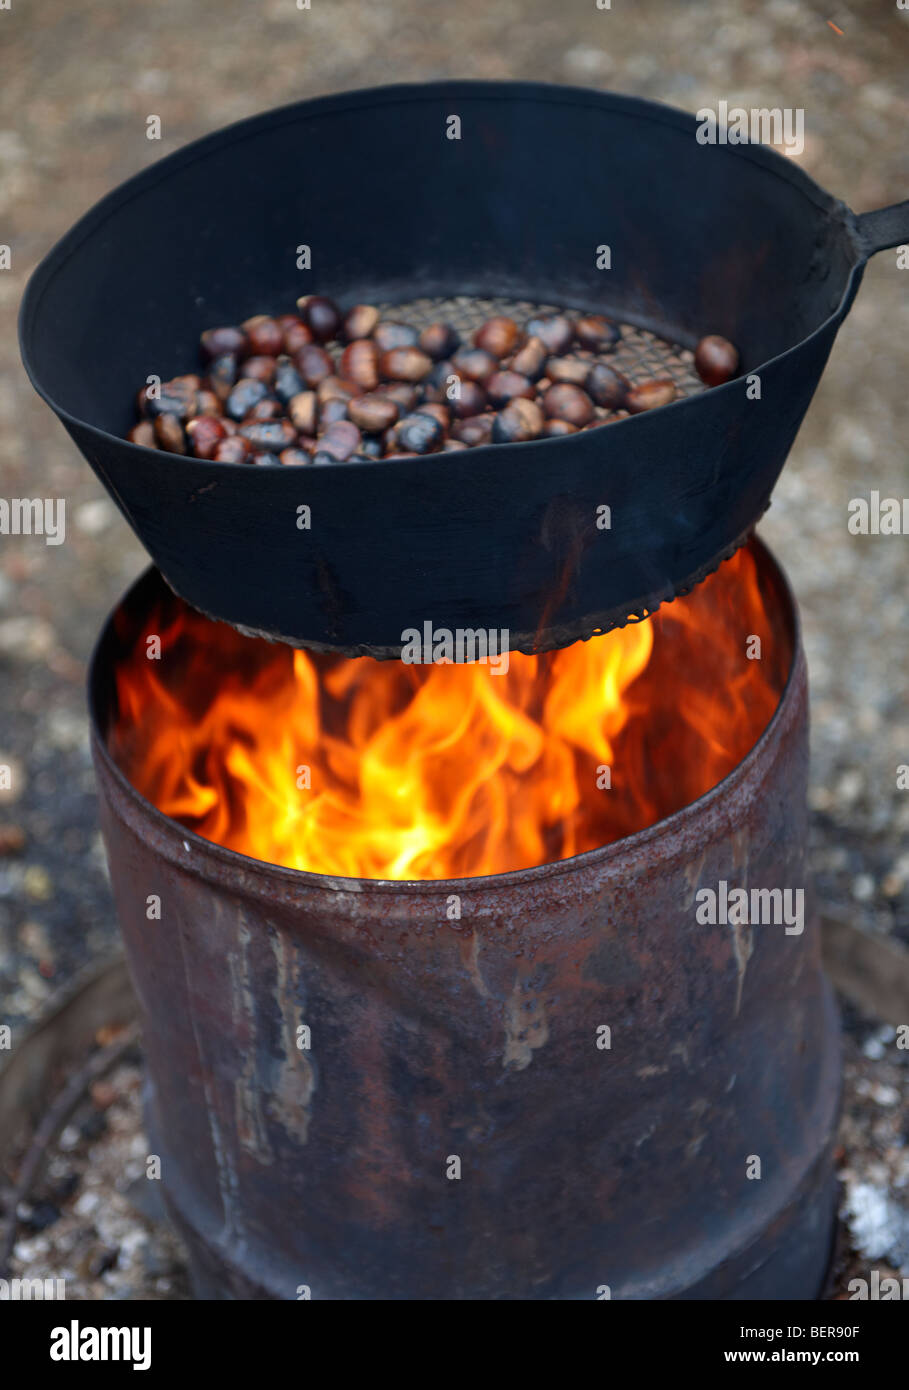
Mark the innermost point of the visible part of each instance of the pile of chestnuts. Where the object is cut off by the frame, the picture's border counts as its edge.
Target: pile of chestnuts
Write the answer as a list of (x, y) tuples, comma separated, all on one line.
[(322, 387)]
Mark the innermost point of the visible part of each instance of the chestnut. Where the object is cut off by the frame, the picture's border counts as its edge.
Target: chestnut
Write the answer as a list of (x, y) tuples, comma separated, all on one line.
[(471, 401), (262, 368), (304, 412), (530, 359), (555, 331), (266, 436), (439, 341), (294, 456), (143, 433), (419, 434), (359, 322), (232, 450), (716, 360), (572, 369), (475, 430), (519, 421), (314, 364), (607, 387), (169, 434), (373, 413), (288, 381), (503, 387), (247, 393), (649, 395), (264, 335), (499, 336), (222, 374), (389, 334), (360, 362), (404, 364), (475, 363), (563, 401), (597, 333), (215, 342), (321, 316), (340, 440)]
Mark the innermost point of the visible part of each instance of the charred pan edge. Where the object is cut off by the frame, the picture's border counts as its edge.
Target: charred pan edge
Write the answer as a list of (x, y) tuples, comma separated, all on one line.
[(546, 639)]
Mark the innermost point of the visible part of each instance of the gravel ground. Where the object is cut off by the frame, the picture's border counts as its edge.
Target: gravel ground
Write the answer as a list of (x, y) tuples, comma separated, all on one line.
[(77, 89)]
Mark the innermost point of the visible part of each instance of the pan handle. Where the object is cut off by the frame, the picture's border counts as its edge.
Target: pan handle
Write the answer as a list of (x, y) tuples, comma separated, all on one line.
[(885, 227)]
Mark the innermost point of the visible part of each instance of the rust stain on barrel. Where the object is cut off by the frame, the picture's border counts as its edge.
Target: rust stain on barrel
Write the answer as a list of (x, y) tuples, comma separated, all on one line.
[(430, 1041)]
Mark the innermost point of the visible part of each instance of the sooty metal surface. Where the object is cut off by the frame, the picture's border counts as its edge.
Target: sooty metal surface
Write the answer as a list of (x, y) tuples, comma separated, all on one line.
[(728, 239), (477, 1039)]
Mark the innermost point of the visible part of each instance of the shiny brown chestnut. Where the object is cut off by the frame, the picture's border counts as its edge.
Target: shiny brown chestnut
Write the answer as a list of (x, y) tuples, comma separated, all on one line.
[(331, 410), (222, 374), (360, 363), (437, 411), (269, 436), (170, 435), (205, 434), (340, 440), (530, 359), (143, 433), (264, 335), (321, 315), (499, 336), (260, 367), (337, 388), (407, 364), (571, 369), (304, 412), (297, 336), (555, 331), (503, 387), (247, 393), (597, 333), (470, 401), (373, 413), (389, 334), (562, 401), (650, 395), (215, 342), (266, 409), (208, 403), (359, 322), (476, 364), (232, 450), (404, 396), (314, 364), (419, 434), (607, 387), (716, 360), (476, 430), (520, 421), (439, 341)]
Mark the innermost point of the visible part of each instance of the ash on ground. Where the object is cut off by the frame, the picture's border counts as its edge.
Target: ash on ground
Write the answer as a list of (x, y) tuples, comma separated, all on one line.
[(95, 1219), (98, 1221)]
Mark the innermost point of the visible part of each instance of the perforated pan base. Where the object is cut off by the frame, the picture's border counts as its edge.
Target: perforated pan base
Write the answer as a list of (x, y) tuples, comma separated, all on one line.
[(640, 355)]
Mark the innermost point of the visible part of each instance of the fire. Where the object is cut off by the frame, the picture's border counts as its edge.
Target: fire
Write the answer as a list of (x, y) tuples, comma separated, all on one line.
[(382, 770)]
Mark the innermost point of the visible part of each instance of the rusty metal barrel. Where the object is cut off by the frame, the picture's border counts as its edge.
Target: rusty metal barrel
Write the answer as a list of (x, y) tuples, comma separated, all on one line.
[(574, 1089)]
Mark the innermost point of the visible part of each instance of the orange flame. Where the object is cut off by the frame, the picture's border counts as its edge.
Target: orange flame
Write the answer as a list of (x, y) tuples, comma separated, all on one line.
[(382, 770)]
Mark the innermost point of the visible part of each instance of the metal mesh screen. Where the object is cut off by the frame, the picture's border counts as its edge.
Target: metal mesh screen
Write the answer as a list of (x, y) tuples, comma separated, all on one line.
[(640, 355)]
